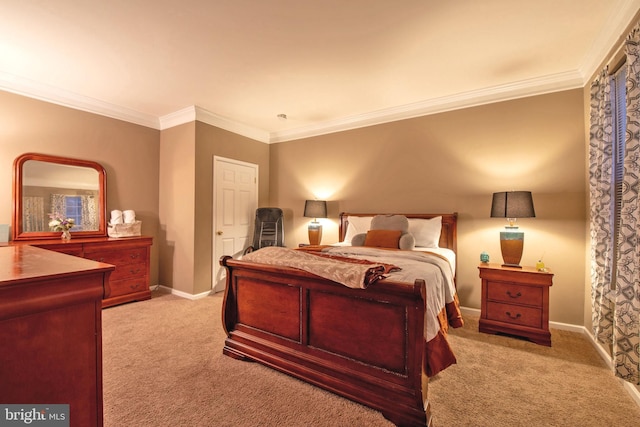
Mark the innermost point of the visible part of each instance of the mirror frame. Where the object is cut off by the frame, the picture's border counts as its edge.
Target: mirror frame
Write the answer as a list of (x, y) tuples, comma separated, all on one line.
[(16, 226)]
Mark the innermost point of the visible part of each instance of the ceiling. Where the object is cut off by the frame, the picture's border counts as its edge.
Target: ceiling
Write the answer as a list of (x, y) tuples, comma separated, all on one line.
[(328, 65)]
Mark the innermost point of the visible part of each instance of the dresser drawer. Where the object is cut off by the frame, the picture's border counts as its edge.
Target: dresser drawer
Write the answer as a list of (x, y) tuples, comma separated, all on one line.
[(65, 248), (121, 257), (127, 271), (514, 314), (514, 294), (127, 286)]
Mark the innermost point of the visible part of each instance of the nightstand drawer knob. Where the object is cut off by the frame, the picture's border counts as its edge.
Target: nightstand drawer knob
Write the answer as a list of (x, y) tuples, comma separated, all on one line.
[(517, 316), (518, 295)]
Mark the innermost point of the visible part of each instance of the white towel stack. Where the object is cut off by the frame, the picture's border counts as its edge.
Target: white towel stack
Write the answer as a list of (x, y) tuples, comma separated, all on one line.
[(116, 217), (129, 216)]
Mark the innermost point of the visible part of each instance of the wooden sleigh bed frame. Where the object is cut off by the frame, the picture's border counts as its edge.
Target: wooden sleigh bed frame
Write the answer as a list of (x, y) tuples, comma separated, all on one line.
[(366, 345)]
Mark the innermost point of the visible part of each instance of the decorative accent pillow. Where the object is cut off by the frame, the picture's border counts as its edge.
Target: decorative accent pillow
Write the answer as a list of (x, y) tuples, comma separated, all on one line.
[(407, 242), (357, 225), (390, 222), (426, 231), (383, 238)]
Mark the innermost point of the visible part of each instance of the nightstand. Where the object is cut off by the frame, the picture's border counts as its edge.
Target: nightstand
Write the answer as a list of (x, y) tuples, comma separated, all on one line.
[(515, 301)]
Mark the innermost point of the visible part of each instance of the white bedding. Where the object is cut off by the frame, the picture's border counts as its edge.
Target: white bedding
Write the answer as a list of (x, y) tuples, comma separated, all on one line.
[(444, 252), (434, 265)]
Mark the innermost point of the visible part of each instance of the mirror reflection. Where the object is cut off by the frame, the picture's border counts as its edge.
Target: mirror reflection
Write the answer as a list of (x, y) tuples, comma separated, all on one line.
[(51, 190), (47, 187)]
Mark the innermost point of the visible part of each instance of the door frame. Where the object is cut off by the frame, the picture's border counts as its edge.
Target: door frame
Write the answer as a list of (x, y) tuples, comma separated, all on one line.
[(215, 266)]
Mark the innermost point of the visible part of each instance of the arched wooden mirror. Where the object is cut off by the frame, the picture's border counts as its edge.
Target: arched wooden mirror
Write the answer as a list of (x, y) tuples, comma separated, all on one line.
[(69, 188)]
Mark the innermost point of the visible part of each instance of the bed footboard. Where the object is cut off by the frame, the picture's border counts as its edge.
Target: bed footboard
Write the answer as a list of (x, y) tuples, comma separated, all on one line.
[(366, 345)]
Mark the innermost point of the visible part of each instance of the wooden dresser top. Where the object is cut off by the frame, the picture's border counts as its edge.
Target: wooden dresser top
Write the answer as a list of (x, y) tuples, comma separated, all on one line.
[(22, 263)]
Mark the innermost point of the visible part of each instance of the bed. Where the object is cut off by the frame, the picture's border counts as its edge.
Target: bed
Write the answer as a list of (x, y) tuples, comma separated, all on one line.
[(368, 344)]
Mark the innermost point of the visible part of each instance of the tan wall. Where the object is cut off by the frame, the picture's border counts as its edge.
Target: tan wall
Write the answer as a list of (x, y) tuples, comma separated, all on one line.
[(176, 207), (453, 162), (212, 141), (446, 162), (129, 153)]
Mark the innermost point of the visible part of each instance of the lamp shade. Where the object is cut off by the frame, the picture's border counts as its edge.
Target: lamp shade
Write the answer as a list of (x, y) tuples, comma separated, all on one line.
[(512, 204), (315, 209)]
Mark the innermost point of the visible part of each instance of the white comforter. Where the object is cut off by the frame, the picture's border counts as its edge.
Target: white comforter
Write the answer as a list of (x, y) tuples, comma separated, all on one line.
[(434, 268)]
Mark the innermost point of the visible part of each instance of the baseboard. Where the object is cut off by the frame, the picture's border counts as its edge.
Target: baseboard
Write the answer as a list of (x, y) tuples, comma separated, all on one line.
[(181, 294), (633, 390)]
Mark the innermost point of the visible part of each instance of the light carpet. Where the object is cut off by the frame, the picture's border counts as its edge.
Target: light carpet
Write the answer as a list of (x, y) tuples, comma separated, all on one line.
[(163, 366)]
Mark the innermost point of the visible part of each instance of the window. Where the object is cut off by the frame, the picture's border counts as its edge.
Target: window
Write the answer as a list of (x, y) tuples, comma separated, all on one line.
[(619, 113), (73, 206)]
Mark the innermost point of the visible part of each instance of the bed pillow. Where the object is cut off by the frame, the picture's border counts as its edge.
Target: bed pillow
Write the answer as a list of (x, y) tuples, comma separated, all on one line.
[(407, 242), (390, 222), (383, 238), (357, 225), (426, 232)]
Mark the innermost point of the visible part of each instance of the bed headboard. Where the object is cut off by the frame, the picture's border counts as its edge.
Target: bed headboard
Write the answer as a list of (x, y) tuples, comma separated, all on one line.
[(448, 235)]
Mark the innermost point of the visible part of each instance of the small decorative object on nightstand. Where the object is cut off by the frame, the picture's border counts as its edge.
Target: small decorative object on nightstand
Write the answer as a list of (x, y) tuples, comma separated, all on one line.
[(515, 301)]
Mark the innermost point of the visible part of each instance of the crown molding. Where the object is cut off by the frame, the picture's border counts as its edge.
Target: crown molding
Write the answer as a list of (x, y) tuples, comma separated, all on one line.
[(537, 86), (610, 37), (521, 89), (192, 113), (180, 117), (212, 119), (607, 40), (50, 94)]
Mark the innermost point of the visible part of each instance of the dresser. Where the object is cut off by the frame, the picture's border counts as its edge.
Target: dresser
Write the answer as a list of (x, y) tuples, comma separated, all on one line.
[(515, 301), (130, 255), (51, 332)]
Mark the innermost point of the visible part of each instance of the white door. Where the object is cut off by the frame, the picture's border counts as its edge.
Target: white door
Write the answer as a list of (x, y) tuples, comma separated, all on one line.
[(235, 199)]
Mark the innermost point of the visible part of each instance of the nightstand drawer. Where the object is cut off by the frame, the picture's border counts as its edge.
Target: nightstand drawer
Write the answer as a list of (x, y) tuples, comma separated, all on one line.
[(514, 294), (514, 314)]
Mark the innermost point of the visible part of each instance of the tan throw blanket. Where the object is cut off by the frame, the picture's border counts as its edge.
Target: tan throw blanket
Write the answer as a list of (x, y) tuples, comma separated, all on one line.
[(352, 274)]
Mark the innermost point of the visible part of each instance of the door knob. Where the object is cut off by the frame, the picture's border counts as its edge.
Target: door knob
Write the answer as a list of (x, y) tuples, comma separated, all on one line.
[(219, 233)]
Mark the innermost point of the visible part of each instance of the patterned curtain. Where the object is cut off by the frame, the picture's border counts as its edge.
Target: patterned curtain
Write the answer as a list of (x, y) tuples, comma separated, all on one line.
[(626, 346), (601, 239), (89, 213), (33, 217), (59, 205), (616, 313)]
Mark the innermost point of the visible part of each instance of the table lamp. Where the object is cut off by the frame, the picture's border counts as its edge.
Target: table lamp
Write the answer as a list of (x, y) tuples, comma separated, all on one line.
[(315, 209), (512, 205)]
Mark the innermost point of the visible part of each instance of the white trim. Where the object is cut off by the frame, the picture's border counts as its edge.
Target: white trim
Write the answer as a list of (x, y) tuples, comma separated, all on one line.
[(531, 87), (213, 119), (603, 43), (184, 295), (180, 117), (53, 95), (470, 311), (609, 37), (633, 391), (538, 86), (192, 113)]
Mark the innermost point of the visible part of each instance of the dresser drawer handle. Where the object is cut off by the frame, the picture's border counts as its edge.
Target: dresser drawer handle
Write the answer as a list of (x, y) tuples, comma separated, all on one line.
[(134, 256), (517, 316), (134, 287), (136, 271), (518, 295)]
